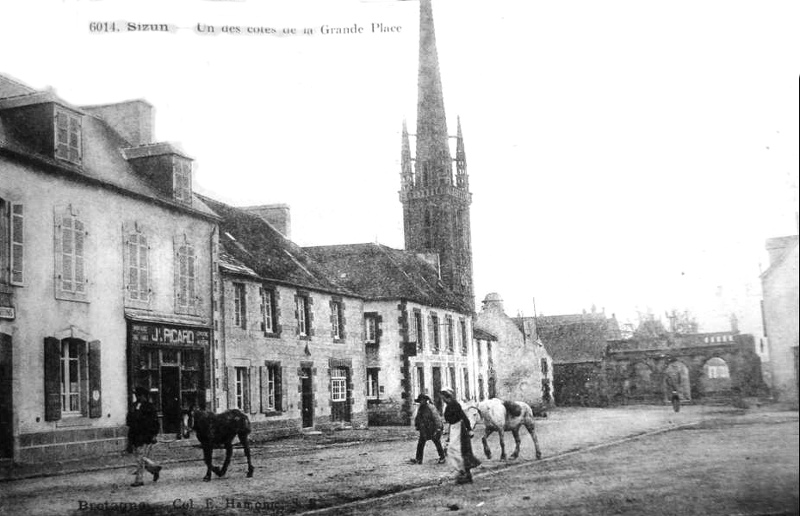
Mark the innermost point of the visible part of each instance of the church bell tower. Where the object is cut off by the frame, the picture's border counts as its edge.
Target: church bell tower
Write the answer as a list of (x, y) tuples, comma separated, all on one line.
[(434, 186)]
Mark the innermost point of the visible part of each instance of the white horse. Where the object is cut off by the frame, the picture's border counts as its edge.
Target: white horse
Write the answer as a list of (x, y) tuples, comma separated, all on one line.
[(499, 416)]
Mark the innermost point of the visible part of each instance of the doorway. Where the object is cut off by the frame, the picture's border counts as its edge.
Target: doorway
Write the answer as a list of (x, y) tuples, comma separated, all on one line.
[(307, 400), (436, 377), (170, 399), (6, 401)]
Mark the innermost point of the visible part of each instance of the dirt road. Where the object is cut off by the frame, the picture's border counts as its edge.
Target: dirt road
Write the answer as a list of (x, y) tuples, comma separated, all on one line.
[(310, 478)]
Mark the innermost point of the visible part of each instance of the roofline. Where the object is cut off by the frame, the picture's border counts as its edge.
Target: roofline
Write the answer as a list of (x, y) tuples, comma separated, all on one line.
[(290, 284), (74, 173)]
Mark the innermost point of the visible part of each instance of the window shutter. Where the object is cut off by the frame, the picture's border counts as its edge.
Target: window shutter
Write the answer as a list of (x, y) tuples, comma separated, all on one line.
[(17, 244), (282, 386), (95, 392), (264, 374), (52, 379), (231, 387), (254, 399), (58, 245), (80, 264), (176, 246)]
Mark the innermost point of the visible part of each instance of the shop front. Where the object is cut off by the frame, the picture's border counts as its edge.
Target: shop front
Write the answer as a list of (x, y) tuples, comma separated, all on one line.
[(172, 362)]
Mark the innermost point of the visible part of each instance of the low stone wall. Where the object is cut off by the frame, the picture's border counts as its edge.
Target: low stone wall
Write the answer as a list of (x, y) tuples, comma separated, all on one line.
[(70, 444)]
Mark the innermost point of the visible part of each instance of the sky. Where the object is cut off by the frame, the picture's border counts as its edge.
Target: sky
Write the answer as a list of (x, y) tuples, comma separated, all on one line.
[(633, 156)]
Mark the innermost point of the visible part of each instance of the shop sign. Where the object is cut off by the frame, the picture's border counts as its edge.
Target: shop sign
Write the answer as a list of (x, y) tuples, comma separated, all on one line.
[(169, 334), (7, 312)]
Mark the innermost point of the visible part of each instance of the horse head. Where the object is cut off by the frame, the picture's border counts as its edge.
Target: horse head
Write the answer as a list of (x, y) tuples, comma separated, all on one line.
[(473, 416), (187, 422)]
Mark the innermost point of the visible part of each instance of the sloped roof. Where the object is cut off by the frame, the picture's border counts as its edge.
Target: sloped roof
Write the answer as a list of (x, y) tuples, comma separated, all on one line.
[(102, 160), (379, 272), (786, 245), (252, 247), (574, 338)]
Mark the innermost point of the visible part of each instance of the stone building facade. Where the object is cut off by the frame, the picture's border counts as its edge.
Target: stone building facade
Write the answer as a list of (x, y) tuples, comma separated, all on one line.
[(290, 340), (781, 315), (523, 369), (106, 274), (418, 335)]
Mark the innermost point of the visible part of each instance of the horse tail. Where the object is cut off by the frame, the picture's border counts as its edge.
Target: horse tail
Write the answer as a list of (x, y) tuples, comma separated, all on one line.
[(527, 417)]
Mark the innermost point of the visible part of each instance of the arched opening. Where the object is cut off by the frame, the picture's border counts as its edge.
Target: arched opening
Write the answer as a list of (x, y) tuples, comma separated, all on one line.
[(716, 376), (640, 385)]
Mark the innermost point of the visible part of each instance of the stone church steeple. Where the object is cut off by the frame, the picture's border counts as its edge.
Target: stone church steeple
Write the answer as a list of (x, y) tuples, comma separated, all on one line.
[(435, 193)]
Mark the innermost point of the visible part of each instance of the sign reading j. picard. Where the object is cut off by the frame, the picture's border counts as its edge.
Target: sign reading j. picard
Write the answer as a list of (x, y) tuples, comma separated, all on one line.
[(148, 333)]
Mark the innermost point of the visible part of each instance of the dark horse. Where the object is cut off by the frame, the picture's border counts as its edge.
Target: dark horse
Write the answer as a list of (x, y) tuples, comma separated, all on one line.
[(217, 430)]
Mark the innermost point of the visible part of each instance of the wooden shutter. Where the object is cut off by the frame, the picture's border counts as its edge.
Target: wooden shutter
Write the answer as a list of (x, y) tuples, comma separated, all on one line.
[(252, 401), (231, 387), (283, 381), (52, 379), (17, 244), (264, 374), (95, 392)]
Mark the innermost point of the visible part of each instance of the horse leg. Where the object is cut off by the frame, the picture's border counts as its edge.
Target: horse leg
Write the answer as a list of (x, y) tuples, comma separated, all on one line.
[(515, 433), (487, 432), (208, 456), (228, 453), (529, 424), (502, 445), (246, 446)]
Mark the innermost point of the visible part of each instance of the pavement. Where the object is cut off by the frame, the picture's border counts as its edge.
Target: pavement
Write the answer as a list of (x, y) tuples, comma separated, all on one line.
[(170, 451)]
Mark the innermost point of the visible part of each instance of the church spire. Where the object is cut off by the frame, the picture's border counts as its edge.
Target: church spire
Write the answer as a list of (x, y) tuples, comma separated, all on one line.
[(406, 172), (462, 180), (434, 165)]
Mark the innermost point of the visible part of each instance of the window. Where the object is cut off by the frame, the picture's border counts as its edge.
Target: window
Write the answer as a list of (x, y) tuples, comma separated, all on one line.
[(239, 305), (68, 136), (268, 311), (717, 368), (71, 378), (272, 388), (545, 368), (449, 334), (186, 300), (339, 384), (420, 381), (463, 325), (428, 228), (479, 350), (182, 179), (241, 388), (337, 319), (137, 267), (372, 383), (434, 323), (371, 323), (303, 315), (467, 389), (11, 243), (70, 242), (418, 329), (452, 378)]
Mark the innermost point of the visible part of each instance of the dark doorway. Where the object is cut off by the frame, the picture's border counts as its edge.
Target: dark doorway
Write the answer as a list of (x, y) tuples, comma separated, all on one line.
[(492, 387), (307, 397), (170, 400), (436, 377), (6, 401)]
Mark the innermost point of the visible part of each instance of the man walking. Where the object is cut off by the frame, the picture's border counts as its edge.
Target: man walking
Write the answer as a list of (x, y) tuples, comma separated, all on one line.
[(459, 448), (430, 426), (142, 424)]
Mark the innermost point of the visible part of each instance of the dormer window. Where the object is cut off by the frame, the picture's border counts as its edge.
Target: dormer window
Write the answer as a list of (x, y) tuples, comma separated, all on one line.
[(182, 180), (67, 136)]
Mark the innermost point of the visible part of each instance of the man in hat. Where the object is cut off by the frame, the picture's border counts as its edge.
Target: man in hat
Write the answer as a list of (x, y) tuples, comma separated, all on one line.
[(142, 424), (459, 449), (429, 425)]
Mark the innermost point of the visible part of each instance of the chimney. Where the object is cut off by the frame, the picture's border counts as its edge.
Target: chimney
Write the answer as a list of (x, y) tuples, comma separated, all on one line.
[(276, 215), (132, 119)]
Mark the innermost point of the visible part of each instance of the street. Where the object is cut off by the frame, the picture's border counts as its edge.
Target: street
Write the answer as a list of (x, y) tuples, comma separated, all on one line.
[(703, 460)]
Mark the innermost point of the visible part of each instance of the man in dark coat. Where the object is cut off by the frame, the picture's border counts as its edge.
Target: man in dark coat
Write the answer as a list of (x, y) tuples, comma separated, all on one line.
[(430, 426), (143, 425)]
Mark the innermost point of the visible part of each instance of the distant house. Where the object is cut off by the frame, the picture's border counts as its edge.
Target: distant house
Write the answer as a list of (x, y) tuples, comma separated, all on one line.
[(417, 333), (289, 348), (523, 369), (577, 345), (780, 290)]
